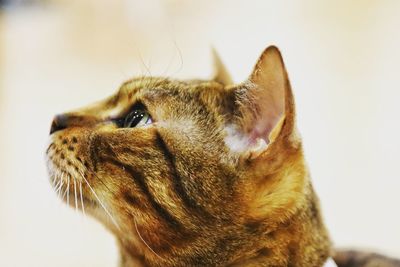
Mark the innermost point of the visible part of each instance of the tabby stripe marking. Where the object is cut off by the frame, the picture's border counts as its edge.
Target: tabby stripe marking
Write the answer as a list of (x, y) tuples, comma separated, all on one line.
[(140, 181), (177, 180), (94, 150)]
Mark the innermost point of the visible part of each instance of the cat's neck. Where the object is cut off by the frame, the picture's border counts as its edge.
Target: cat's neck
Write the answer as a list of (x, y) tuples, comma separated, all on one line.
[(302, 242)]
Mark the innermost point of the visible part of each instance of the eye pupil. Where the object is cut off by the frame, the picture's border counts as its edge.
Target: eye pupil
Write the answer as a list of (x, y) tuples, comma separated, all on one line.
[(138, 117)]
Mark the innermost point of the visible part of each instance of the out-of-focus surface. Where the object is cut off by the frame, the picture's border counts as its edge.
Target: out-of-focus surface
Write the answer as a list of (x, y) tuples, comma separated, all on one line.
[(342, 58)]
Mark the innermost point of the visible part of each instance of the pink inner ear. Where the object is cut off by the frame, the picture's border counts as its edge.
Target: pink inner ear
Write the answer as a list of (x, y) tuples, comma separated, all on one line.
[(267, 96), (264, 125)]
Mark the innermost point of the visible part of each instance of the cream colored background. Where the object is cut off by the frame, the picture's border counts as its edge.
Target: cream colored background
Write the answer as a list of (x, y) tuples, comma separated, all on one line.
[(342, 57)]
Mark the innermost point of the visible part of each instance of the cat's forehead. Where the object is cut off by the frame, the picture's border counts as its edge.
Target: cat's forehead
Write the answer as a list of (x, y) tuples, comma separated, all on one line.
[(156, 87)]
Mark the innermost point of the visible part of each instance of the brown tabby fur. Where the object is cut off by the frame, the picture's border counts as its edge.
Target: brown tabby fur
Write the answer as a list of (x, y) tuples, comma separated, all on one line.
[(350, 258), (179, 193)]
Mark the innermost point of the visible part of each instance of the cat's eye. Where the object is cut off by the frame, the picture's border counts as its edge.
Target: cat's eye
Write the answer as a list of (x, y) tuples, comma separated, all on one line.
[(137, 118)]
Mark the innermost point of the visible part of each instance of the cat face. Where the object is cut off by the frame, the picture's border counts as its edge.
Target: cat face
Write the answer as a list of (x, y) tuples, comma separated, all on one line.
[(166, 157), (184, 168)]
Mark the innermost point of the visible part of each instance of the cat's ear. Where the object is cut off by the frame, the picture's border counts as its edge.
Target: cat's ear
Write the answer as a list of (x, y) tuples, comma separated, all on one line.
[(265, 106), (220, 73)]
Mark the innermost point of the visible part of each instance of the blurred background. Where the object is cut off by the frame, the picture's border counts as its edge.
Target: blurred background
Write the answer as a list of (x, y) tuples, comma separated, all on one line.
[(343, 61)]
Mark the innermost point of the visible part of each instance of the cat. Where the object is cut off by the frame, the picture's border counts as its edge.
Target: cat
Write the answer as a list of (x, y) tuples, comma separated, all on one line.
[(197, 172)]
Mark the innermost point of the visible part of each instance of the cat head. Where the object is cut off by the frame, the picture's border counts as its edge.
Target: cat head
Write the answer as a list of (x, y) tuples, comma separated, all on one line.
[(186, 168)]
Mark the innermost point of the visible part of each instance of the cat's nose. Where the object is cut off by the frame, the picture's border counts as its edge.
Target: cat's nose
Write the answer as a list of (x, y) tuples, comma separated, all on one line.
[(59, 123)]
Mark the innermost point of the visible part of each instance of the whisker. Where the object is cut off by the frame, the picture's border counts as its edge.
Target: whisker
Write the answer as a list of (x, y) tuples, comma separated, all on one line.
[(169, 64), (141, 238), (60, 190), (57, 184), (55, 181), (101, 203), (68, 191), (143, 63), (80, 190), (65, 191), (60, 184), (180, 57), (101, 181), (76, 198)]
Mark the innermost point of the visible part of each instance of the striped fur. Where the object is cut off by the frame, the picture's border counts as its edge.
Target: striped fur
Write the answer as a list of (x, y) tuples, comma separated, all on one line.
[(218, 178)]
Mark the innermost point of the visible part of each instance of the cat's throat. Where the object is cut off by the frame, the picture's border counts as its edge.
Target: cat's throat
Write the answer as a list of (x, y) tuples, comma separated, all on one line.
[(302, 241)]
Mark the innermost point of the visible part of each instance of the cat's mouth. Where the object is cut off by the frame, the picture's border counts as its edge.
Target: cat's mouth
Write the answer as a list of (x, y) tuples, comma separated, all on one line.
[(67, 173)]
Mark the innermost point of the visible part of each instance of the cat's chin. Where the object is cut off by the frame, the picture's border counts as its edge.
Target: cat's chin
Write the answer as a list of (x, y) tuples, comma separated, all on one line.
[(72, 192), (84, 203)]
